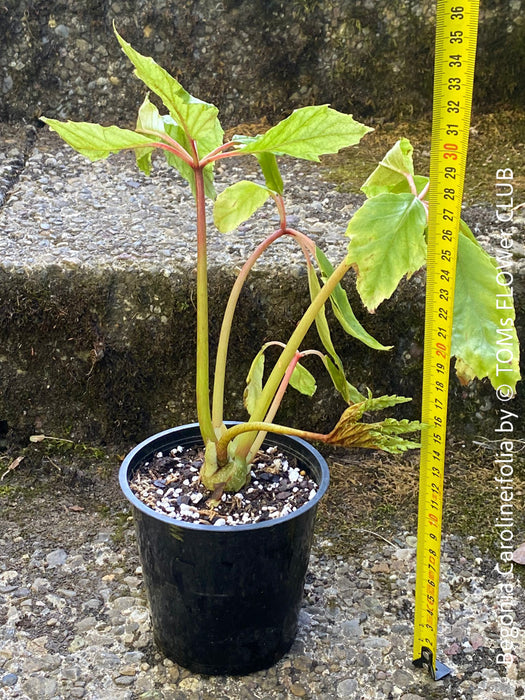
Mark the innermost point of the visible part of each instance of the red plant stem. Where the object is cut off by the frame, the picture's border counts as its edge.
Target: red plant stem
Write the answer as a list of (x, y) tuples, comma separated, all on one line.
[(277, 400), (424, 191), (212, 156), (207, 160), (411, 183), (279, 201), (305, 242), (222, 349), (282, 388), (172, 146)]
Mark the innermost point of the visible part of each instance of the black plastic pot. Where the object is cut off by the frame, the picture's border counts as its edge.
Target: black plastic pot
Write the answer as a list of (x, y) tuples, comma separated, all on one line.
[(224, 600)]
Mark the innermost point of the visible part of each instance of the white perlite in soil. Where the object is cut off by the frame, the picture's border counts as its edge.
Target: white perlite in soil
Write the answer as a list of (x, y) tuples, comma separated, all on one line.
[(170, 484)]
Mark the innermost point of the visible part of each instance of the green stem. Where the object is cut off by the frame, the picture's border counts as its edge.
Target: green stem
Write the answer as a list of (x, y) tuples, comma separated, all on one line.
[(277, 400), (263, 426), (203, 369), (278, 372), (224, 338)]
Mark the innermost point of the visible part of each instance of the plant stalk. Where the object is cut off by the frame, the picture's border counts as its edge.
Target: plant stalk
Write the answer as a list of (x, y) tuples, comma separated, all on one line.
[(222, 348), (277, 400), (307, 246), (263, 426), (203, 368), (272, 385)]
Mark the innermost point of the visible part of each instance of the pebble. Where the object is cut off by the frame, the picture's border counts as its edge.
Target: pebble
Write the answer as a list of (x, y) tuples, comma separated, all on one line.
[(56, 558), (347, 688), (9, 679)]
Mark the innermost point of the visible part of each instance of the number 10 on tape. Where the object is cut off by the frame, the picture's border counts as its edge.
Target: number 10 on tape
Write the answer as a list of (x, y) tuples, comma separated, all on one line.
[(456, 35)]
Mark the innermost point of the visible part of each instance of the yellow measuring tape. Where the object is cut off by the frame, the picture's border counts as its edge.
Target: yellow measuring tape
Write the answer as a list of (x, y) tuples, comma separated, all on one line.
[(456, 35)]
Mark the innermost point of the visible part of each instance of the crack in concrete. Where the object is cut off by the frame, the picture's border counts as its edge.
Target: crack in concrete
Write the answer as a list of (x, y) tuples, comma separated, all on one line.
[(12, 168)]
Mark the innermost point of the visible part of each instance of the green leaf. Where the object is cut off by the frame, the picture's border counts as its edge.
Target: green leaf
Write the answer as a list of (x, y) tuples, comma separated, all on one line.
[(465, 230), (387, 242), (484, 338), (332, 362), (198, 119), (308, 133), (392, 170), (237, 203), (95, 141), (379, 403), (148, 119), (420, 181), (272, 176), (303, 381), (342, 309), (254, 381), (335, 369)]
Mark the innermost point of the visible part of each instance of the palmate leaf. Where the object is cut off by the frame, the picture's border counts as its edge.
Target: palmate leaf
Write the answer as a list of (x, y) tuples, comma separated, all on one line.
[(391, 172), (197, 119), (97, 142), (387, 242), (237, 203), (384, 435), (484, 338), (308, 133)]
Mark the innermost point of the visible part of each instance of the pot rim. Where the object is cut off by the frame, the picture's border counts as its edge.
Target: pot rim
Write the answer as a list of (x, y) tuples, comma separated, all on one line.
[(140, 505)]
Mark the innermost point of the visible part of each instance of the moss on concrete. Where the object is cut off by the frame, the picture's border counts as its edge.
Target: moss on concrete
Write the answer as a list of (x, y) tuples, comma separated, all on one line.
[(497, 140)]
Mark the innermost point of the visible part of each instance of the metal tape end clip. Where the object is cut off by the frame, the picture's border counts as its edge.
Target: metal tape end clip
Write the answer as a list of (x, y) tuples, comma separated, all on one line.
[(425, 661)]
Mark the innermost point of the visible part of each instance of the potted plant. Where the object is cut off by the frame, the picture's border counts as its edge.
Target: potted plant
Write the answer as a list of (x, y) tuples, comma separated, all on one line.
[(224, 575)]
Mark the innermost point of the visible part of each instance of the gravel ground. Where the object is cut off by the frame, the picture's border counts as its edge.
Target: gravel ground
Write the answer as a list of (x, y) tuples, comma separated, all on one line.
[(75, 622)]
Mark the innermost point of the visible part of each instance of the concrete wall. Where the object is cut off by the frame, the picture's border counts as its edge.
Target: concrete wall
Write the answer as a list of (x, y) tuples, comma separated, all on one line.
[(251, 57)]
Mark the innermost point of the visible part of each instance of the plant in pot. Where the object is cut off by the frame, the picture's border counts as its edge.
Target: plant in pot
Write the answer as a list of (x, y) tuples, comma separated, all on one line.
[(224, 512)]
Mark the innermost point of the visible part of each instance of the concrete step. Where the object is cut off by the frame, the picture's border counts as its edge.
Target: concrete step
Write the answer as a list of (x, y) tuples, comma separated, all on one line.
[(97, 298), (249, 58)]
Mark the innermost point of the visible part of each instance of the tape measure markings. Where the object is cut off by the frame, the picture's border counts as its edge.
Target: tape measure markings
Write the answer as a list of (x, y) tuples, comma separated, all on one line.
[(456, 34)]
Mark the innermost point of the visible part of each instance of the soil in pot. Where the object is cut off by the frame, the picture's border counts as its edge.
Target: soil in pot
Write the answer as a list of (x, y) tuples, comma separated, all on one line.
[(169, 484)]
